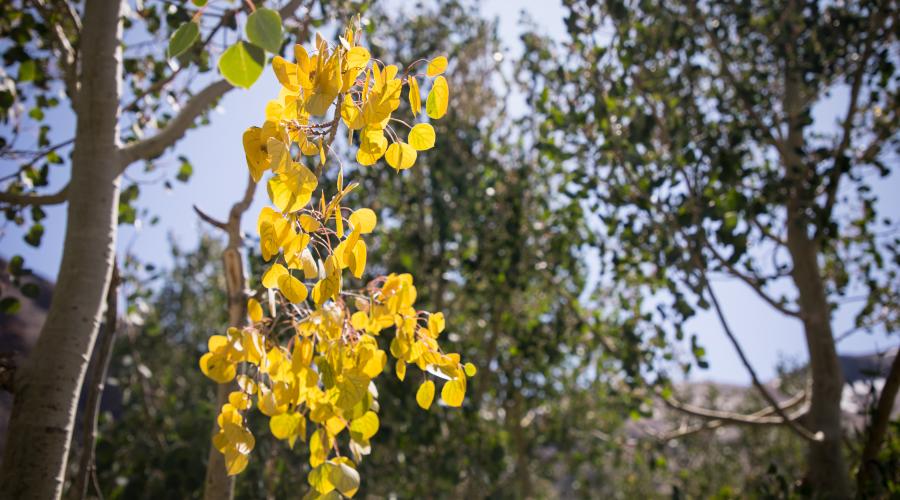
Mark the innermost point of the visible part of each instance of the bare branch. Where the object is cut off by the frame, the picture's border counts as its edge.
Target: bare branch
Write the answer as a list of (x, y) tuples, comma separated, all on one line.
[(22, 199), (209, 219), (798, 429), (716, 423), (727, 417), (170, 134), (754, 283)]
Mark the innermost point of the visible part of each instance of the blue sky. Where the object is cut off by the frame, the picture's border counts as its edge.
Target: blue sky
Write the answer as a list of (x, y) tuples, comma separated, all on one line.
[(220, 174)]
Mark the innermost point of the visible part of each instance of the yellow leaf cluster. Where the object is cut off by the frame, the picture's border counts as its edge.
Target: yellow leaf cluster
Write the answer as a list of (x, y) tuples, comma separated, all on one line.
[(309, 355)]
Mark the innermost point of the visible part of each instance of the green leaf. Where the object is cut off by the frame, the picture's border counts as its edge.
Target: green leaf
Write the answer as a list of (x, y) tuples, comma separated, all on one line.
[(27, 71), (264, 29), (242, 64), (183, 38), (184, 171), (10, 305), (30, 290), (35, 233)]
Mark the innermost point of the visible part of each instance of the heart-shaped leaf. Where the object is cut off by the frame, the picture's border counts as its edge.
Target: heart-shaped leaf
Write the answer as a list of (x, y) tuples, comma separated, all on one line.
[(242, 64)]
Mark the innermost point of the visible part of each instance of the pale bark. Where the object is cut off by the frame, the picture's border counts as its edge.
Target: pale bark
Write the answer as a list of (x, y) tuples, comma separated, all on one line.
[(102, 355), (48, 385)]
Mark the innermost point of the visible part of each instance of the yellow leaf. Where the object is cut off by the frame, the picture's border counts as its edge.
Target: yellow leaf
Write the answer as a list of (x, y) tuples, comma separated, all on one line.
[(358, 57), (358, 259), (400, 155), (436, 324), (345, 479), (453, 392), (217, 368), (437, 66), (375, 365), (372, 146), (359, 320), (302, 355), (286, 425), (285, 72), (240, 400), (364, 220), (310, 270), (415, 98), (254, 310), (365, 426), (470, 369), (320, 478), (421, 137), (255, 152), (425, 394), (279, 155), (309, 223), (319, 447), (291, 190), (438, 98), (292, 288), (235, 462), (271, 277)]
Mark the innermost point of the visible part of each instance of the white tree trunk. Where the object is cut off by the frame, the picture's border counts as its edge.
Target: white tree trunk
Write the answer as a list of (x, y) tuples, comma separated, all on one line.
[(48, 385)]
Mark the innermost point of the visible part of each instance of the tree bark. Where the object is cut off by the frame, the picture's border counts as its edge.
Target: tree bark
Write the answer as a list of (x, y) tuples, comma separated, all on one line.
[(102, 355), (827, 471), (47, 387), (868, 460)]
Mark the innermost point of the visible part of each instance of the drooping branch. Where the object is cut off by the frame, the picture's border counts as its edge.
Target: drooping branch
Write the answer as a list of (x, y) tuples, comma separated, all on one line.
[(717, 423), (798, 429), (762, 417)]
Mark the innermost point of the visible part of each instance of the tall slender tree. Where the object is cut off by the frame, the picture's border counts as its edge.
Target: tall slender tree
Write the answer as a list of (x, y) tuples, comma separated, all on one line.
[(687, 127), (89, 52)]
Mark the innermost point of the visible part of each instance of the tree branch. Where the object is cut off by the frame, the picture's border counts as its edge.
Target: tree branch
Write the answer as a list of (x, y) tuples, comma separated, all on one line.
[(834, 177), (23, 199), (798, 429), (878, 427), (778, 141), (154, 146), (716, 423), (761, 417), (754, 283)]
